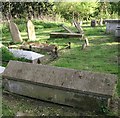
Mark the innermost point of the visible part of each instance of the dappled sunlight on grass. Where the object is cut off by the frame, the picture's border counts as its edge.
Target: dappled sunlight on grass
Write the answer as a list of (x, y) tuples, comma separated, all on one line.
[(96, 57), (112, 43)]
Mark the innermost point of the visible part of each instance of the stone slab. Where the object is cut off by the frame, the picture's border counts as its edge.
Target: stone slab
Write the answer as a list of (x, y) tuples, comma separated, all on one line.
[(30, 55), (113, 20), (2, 69), (69, 79), (69, 98), (15, 33), (65, 35), (85, 90)]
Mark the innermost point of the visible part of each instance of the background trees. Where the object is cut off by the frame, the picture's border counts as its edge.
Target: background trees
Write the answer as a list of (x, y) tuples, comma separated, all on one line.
[(66, 10)]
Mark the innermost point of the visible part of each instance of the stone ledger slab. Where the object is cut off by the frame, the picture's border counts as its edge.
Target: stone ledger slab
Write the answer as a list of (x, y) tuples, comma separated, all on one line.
[(65, 35), (86, 90)]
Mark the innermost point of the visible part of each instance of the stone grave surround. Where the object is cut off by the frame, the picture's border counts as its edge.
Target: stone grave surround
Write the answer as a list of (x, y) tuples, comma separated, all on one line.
[(30, 55), (31, 31), (86, 90), (111, 25), (15, 33)]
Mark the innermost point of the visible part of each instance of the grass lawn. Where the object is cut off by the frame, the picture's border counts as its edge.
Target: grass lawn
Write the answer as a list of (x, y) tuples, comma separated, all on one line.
[(101, 56)]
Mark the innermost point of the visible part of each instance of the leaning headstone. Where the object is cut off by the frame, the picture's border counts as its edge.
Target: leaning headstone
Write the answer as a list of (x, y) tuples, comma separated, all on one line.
[(85, 90), (86, 41), (66, 28), (31, 31), (15, 33), (93, 23)]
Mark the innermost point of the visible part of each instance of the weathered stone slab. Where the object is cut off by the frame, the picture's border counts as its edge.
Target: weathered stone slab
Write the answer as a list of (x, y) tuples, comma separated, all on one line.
[(15, 33), (86, 90), (79, 28), (31, 31), (65, 35), (30, 55), (67, 29), (111, 25), (2, 69)]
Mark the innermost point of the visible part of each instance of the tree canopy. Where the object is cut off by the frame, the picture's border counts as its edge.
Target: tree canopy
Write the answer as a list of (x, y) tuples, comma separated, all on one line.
[(67, 10)]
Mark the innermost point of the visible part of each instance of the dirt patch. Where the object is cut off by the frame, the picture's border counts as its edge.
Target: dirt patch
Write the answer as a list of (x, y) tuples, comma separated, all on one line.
[(31, 107)]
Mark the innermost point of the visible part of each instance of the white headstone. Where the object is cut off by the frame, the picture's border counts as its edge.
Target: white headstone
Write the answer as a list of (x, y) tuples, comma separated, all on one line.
[(15, 33), (31, 31)]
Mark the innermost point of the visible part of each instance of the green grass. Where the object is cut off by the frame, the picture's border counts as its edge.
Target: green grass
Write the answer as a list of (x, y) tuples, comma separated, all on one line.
[(100, 56)]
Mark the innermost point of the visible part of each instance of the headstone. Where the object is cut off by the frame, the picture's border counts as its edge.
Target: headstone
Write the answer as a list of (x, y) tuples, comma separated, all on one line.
[(15, 33), (66, 28), (31, 31), (93, 23), (85, 90), (101, 22), (86, 41), (81, 23), (79, 28)]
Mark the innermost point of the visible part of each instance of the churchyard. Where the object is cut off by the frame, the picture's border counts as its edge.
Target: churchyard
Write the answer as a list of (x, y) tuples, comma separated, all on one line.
[(100, 56)]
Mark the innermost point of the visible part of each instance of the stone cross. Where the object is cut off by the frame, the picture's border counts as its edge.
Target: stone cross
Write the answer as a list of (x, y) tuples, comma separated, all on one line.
[(31, 31), (15, 33)]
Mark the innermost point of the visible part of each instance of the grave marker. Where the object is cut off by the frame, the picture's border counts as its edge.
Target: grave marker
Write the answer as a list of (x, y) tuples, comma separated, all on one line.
[(15, 32), (93, 23), (66, 28), (31, 31)]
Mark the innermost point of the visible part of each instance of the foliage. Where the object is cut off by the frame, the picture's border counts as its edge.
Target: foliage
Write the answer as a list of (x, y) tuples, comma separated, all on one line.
[(71, 10), (6, 111), (66, 10), (6, 55), (24, 9)]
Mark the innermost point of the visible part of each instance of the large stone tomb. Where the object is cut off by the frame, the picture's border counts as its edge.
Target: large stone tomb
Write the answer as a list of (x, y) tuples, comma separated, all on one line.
[(111, 25), (85, 90)]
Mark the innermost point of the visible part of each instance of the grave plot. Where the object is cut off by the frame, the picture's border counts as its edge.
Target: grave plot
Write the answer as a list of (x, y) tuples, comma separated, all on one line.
[(34, 57), (70, 33), (38, 47), (86, 90), (111, 25)]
